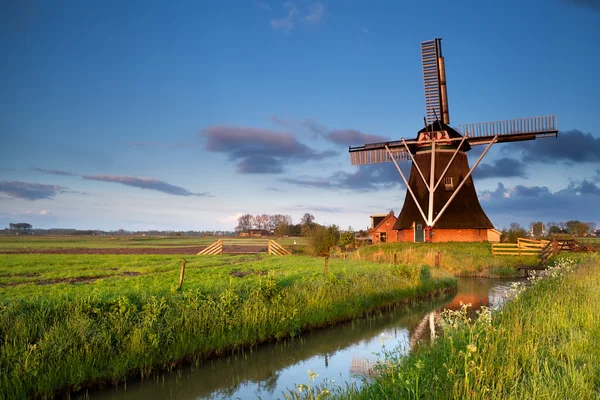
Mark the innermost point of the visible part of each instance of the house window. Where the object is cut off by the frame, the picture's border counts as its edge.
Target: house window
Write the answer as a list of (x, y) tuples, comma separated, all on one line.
[(448, 185)]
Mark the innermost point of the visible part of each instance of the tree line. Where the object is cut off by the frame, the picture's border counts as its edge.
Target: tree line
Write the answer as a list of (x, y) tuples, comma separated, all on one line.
[(539, 230), (278, 224)]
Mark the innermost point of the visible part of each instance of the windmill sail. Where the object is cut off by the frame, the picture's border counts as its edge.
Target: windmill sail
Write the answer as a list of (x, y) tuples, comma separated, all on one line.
[(434, 81)]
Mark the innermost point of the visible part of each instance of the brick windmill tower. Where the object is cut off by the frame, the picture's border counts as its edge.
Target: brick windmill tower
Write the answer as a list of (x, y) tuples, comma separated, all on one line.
[(443, 205)]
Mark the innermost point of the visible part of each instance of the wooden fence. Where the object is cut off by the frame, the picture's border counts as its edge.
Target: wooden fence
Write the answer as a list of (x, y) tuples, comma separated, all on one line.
[(523, 247), (245, 246)]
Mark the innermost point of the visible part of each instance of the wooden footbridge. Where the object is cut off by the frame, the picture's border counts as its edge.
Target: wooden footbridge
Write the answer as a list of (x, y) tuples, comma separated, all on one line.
[(245, 246)]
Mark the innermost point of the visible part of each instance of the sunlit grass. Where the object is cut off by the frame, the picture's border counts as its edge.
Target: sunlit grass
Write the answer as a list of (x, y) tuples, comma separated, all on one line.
[(544, 343), (64, 335), (460, 259)]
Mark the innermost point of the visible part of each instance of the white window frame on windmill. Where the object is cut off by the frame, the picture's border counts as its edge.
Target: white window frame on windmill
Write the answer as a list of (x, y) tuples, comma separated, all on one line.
[(448, 184)]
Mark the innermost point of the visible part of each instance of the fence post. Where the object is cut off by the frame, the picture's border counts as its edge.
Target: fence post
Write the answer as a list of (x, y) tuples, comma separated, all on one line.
[(554, 247), (395, 258), (437, 260), (326, 263), (181, 274)]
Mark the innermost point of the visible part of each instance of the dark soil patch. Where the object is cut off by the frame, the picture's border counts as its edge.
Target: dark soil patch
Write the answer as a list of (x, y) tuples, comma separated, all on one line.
[(81, 279), (241, 274), (118, 250), (140, 250)]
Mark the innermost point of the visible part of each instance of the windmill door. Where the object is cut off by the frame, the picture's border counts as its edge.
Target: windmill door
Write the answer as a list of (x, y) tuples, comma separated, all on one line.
[(419, 233)]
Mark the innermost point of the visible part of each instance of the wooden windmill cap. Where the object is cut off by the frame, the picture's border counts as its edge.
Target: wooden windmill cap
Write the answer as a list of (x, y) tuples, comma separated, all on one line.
[(438, 126)]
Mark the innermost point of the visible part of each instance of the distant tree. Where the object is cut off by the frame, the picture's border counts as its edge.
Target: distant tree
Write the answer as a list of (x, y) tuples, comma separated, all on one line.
[(554, 229), (245, 222), (537, 229), (261, 221), (307, 219), (279, 219), (294, 230), (512, 234), (591, 226), (577, 228), (20, 227)]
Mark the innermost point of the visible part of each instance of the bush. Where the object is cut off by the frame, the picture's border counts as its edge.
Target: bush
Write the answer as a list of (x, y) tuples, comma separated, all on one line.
[(321, 239)]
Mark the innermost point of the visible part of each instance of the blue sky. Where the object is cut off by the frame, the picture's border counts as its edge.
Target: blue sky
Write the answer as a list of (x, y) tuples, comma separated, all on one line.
[(148, 115)]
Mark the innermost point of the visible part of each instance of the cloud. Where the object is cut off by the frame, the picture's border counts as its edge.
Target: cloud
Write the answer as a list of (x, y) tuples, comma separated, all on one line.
[(286, 24), (230, 218), (345, 137), (579, 200), (167, 145), (332, 210), (502, 168), (53, 172), (263, 5), (589, 4), (365, 178), (32, 212), (259, 150), (571, 147), (352, 137), (315, 14), (145, 183), (30, 191)]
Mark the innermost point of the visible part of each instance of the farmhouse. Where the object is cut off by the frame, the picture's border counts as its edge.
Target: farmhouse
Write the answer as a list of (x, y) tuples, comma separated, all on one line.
[(256, 233), (382, 228)]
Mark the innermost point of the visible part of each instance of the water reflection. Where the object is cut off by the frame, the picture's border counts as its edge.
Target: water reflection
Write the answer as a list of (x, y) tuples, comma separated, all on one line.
[(343, 353)]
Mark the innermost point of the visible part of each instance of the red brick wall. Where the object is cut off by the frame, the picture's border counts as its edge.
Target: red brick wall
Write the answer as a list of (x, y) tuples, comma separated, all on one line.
[(392, 235), (447, 235)]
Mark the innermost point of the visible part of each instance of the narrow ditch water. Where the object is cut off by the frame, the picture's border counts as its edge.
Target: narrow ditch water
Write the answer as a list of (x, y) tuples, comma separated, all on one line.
[(341, 353)]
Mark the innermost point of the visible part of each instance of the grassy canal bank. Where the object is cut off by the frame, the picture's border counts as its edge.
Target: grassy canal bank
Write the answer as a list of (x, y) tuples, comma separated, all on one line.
[(68, 321), (544, 343), (460, 259)]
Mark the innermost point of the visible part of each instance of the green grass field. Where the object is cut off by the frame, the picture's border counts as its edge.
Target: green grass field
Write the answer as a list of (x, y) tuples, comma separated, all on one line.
[(8, 243), (460, 259), (543, 345), (73, 320)]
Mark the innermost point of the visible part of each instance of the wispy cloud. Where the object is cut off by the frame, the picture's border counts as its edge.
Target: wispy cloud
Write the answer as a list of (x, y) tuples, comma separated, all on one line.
[(259, 150), (314, 15), (263, 5), (366, 178), (30, 191), (589, 4), (286, 24), (168, 145), (352, 137), (332, 210), (53, 172), (145, 183), (345, 137)]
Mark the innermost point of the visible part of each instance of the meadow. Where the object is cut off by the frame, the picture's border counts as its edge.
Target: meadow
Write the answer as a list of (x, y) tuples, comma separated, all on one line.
[(71, 321), (33, 242), (460, 259), (543, 343)]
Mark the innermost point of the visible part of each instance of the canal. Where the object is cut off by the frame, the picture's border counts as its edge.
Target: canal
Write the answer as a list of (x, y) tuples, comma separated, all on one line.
[(340, 354)]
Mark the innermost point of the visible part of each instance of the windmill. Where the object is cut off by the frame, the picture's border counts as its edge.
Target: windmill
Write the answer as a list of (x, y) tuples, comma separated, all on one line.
[(445, 200)]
